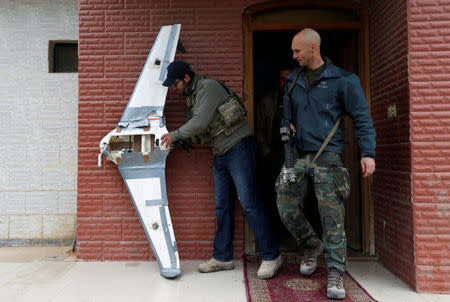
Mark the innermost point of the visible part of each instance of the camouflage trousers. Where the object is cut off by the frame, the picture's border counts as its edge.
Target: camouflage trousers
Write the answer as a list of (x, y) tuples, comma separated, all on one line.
[(330, 181)]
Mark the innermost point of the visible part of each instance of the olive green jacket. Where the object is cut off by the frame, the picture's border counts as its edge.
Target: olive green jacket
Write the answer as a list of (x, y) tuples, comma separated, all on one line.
[(204, 96)]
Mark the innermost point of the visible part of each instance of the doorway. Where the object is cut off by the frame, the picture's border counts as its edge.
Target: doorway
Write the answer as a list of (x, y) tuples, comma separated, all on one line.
[(267, 49)]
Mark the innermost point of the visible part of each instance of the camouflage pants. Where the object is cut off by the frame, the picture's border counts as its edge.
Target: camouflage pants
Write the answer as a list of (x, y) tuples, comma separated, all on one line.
[(331, 184)]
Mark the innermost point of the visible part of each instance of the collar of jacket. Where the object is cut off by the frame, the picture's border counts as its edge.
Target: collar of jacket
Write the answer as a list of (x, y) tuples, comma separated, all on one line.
[(330, 71), (192, 85)]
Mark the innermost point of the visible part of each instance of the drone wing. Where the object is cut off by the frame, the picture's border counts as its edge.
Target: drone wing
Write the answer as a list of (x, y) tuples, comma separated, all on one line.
[(149, 95), (135, 147)]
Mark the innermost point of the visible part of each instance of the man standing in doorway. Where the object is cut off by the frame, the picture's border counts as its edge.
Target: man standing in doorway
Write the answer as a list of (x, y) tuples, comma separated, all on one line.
[(269, 112), (215, 115), (321, 93)]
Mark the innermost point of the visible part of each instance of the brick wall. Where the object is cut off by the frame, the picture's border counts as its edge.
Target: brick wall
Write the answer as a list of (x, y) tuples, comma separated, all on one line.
[(38, 122), (115, 38), (394, 238), (412, 180), (429, 52)]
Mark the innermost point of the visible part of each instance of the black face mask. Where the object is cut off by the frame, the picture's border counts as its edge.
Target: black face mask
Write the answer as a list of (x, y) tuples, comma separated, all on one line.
[(185, 91)]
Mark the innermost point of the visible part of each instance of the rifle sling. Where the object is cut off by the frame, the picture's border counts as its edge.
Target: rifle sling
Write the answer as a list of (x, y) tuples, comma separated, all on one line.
[(327, 140), (295, 80)]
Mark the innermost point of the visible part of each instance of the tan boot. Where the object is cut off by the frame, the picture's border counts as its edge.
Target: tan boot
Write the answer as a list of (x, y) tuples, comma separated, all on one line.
[(269, 268), (335, 288), (309, 260), (213, 265)]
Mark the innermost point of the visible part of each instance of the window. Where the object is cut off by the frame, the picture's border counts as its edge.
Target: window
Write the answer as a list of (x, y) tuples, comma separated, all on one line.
[(63, 56)]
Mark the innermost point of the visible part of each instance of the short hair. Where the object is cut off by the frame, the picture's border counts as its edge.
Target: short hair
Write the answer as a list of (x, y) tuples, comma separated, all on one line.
[(310, 35)]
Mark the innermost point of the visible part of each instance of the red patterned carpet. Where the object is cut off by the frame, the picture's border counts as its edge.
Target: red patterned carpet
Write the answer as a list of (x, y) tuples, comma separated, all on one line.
[(289, 285)]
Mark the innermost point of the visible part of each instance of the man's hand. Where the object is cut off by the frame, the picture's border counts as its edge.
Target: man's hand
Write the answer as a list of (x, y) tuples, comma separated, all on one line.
[(166, 141), (292, 127), (367, 166)]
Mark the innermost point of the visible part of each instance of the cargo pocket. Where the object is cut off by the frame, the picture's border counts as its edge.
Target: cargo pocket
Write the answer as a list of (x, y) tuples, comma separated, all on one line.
[(322, 175), (341, 180), (336, 178)]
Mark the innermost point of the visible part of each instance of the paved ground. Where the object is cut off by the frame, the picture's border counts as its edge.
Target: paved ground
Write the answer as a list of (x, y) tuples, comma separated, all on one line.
[(53, 274), (384, 286)]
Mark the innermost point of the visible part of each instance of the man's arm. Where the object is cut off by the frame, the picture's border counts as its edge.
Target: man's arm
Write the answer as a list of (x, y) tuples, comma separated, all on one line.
[(209, 96), (356, 106)]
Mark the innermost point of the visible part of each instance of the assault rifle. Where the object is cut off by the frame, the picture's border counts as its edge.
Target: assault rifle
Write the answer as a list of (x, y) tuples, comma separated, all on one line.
[(288, 172), (186, 146), (287, 136)]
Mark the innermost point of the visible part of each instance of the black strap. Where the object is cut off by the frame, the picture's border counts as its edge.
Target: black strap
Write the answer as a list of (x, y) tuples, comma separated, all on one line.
[(295, 80), (228, 89), (292, 86)]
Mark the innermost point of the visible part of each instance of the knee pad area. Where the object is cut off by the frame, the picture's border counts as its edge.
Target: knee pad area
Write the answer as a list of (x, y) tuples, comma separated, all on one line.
[(333, 230)]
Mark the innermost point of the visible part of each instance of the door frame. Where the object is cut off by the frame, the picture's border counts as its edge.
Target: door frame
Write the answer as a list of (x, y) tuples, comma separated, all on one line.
[(362, 26)]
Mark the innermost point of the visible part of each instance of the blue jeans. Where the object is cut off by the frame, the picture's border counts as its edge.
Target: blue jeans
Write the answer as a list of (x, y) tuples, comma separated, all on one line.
[(238, 166)]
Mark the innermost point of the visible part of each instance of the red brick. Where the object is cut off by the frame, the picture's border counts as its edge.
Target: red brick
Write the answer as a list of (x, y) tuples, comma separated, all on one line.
[(127, 20), (139, 4), (205, 205), (124, 66), (186, 17), (122, 251), (100, 89), (91, 21), (89, 250), (139, 43), (204, 249), (95, 44), (187, 249), (133, 229), (230, 19), (182, 205), (118, 205), (99, 182), (91, 5), (89, 205), (191, 228), (99, 229), (92, 66)]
